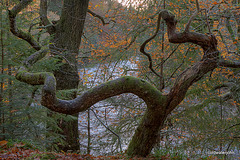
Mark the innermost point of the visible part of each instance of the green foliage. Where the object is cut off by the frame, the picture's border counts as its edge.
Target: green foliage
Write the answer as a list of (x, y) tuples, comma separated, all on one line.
[(170, 153), (25, 144), (47, 64)]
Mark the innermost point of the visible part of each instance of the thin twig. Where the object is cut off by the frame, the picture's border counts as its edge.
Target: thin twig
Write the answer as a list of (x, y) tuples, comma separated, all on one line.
[(180, 64), (168, 56), (190, 20), (119, 139), (100, 17), (209, 29)]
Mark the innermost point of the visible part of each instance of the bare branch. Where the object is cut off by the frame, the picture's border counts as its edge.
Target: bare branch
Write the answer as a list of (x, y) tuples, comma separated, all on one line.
[(192, 17), (100, 17), (231, 64), (226, 96), (208, 25), (31, 26), (142, 48), (171, 53), (133, 39), (197, 5), (190, 20), (18, 32), (119, 138), (225, 85), (179, 64)]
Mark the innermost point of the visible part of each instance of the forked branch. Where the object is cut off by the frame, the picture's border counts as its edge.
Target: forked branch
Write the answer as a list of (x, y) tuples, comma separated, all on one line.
[(196, 71)]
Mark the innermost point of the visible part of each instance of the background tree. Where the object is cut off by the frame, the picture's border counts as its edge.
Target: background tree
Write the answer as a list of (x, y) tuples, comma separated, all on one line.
[(61, 47)]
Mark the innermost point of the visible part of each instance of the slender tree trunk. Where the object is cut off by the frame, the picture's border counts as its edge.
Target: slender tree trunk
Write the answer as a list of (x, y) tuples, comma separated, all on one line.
[(89, 133)]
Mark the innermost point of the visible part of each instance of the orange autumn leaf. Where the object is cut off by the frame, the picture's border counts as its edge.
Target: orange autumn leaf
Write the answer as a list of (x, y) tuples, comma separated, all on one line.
[(3, 143), (12, 111)]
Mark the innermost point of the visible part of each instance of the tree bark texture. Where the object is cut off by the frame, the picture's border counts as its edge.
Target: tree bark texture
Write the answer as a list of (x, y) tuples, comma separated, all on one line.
[(67, 40), (158, 106), (65, 44)]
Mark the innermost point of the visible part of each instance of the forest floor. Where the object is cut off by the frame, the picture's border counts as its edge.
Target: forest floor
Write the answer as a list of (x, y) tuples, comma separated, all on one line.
[(20, 150)]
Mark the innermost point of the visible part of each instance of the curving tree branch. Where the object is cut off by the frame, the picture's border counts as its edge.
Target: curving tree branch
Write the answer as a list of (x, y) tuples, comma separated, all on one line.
[(231, 64), (112, 88), (100, 17), (35, 57), (142, 48), (43, 16), (207, 42), (18, 32), (199, 69)]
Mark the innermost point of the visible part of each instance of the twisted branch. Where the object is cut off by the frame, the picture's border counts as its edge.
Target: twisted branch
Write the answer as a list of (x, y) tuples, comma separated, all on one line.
[(112, 88), (18, 32), (142, 48)]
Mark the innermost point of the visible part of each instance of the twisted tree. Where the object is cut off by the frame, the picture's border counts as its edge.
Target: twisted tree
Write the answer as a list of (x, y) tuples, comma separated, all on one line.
[(159, 106)]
